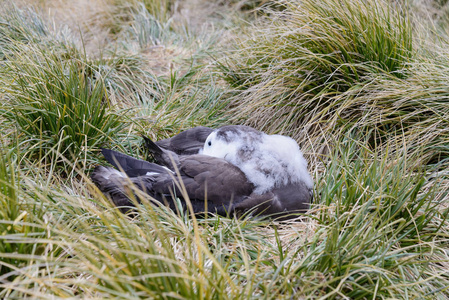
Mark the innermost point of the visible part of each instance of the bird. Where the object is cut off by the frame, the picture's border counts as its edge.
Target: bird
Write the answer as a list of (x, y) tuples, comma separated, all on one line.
[(237, 170)]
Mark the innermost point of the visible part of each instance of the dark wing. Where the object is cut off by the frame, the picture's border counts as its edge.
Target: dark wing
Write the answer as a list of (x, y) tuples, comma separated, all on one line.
[(202, 177), (130, 165), (281, 203), (187, 142), (213, 179)]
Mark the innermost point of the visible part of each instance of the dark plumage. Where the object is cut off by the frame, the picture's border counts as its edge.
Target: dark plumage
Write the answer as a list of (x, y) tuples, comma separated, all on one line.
[(161, 155), (187, 142), (223, 185)]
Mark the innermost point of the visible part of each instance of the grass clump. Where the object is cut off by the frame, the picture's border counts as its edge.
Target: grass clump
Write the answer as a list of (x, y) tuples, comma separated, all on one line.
[(380, 228), (306, 63), (121, 14), (22, 236), (331, 45), (331, 66), (13, 29), (57, 107), (57, 97)]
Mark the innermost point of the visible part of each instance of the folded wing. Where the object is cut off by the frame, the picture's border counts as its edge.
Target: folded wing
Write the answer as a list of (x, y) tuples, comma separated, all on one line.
[(187, 142), (197, 177)]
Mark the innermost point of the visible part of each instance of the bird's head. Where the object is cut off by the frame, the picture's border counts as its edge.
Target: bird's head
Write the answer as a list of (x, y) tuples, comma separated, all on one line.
[(233, 143)]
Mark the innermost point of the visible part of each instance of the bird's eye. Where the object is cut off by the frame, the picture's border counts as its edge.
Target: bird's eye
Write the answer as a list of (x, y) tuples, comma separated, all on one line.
[(209, 143)]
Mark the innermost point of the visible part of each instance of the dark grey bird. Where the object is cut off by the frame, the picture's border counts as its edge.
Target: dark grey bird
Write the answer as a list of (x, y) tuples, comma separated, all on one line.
[(238, 169)]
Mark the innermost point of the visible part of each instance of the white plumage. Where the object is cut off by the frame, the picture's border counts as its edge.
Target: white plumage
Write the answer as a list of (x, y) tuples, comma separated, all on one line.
[(268, 161)]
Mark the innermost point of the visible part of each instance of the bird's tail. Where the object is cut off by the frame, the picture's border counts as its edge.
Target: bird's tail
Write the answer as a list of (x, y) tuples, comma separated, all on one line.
[(114, 185), (152, 147), (162, 156)]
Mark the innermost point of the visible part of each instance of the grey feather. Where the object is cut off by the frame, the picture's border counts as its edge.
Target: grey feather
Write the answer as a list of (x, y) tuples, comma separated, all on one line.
[(187, 142)]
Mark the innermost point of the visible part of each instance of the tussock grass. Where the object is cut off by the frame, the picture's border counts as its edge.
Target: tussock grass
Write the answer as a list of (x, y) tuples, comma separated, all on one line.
[(351, 80), (314, 60), (331, 45), (58, 105), (380, 221), (14, 29), (333, 66), (23, 236)]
